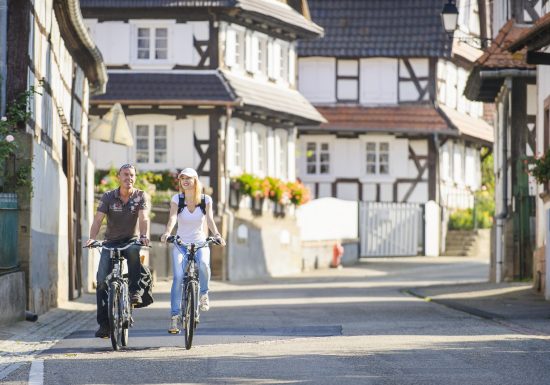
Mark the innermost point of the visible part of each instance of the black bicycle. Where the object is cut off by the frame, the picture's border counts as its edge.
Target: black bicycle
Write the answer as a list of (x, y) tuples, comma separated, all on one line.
[(120, 308), (189, 305)]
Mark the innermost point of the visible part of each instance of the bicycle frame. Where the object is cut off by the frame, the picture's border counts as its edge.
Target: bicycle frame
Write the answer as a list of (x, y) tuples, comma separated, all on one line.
[(120, 309), (190, 285)]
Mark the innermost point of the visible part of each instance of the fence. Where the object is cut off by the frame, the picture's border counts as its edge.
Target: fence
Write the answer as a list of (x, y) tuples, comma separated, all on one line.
[(391, 229)]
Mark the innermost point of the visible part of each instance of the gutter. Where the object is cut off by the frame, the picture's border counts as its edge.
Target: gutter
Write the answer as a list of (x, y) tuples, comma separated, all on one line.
[(507, 73), (99, 84)]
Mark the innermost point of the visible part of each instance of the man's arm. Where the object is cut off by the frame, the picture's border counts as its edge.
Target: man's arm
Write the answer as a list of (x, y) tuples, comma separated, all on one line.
[(96, 225), (144, 226)]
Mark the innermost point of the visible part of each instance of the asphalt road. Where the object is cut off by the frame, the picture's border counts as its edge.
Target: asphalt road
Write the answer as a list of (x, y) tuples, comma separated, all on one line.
[(350, 326)]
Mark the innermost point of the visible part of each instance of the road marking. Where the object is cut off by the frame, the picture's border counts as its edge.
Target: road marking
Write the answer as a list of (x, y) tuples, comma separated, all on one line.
[(36, 374)]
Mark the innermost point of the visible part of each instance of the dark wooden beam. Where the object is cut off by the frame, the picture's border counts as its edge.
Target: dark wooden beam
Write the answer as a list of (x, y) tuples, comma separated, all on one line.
[(534, 57)]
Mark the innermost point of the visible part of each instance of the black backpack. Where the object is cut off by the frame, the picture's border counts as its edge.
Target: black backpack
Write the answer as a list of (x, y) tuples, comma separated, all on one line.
[(182, 204), (145, 283)]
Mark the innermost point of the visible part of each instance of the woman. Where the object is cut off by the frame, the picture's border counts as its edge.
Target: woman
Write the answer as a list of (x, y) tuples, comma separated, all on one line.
[(196, 208)]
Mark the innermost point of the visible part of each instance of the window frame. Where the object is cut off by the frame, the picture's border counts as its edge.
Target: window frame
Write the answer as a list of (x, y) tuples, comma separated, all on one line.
[(355, 78), (152, 26), (377, 154), (151, 142), (318, 163)]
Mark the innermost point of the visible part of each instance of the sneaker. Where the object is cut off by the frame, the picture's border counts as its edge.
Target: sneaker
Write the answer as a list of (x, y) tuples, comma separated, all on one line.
[(135, 298), (205, 304), (103, 331), (174, 325)]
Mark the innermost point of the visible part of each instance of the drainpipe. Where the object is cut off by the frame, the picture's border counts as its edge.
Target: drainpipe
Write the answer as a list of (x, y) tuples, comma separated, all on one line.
[(3, 54), (501, 217), (226, 209), (507, 73)]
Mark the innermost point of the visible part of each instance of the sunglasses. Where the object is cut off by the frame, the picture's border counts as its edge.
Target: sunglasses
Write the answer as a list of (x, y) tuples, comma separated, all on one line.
[(127, 165)]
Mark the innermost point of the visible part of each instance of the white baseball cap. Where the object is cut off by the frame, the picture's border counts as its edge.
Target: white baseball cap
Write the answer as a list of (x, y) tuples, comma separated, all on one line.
[(188, 172)]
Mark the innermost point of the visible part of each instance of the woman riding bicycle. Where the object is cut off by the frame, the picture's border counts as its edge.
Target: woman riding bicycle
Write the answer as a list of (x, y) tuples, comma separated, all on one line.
[(189, 209)]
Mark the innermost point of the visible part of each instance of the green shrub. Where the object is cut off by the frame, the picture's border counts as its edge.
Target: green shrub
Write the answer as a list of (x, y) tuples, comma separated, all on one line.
[(461, 219)]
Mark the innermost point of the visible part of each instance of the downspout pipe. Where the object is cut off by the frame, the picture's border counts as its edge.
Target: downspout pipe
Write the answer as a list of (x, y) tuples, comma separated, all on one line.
[(503, 214), (3, 54), (230, 216)]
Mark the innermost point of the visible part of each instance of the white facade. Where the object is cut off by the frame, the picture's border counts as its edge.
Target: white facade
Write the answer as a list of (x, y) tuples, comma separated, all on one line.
[(59, 211)]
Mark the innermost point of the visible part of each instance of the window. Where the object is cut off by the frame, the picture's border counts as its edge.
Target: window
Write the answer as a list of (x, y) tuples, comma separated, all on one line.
[(378, 158), (347, 80), (152, 43), (151, 143), (238, 160), (317, 158), (239, 48), (283, 62)]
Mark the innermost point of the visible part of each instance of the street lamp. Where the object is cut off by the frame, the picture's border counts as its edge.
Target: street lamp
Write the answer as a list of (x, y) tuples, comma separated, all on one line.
[(449, 17)]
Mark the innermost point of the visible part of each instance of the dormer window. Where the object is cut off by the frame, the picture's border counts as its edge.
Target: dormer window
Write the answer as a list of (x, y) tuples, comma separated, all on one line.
[(152, 43)]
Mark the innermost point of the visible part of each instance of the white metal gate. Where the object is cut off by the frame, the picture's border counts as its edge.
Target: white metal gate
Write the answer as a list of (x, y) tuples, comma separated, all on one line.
[(391, 229)]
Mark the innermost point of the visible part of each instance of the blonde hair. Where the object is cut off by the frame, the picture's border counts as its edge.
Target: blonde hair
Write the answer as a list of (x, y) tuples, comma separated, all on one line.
[(198, 189)]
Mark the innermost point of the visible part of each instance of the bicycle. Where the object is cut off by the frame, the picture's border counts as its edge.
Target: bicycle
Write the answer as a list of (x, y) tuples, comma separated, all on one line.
[(119, 306), (189, 307)]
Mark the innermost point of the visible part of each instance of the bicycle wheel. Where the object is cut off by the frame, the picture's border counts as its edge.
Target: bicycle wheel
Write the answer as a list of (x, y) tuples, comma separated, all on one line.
[(115, 315), (189, 312), (125, 304)]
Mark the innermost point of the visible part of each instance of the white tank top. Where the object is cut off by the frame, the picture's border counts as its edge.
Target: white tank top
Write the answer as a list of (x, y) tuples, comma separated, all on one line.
[(191, 225)]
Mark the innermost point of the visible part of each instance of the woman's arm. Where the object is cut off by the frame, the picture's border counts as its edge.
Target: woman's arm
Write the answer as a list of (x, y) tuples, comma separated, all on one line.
[(172, 218)]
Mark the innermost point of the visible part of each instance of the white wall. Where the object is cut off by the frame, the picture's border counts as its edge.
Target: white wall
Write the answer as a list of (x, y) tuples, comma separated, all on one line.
[(317, 221), (123, 49)]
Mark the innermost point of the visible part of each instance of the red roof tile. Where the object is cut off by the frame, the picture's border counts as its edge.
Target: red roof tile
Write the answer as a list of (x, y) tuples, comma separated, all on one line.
[(498, 56), (534, 36), (418, 119)]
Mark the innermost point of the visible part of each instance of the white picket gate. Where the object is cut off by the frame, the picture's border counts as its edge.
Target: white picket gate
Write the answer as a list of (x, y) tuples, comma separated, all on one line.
[(391, 229)]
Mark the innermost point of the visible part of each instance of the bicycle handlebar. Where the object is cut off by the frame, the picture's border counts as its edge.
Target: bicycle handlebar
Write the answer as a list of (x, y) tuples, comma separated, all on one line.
[(175, 239), (98, 244)]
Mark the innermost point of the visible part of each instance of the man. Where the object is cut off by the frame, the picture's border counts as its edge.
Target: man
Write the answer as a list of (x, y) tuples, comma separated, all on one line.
[(127, 211)]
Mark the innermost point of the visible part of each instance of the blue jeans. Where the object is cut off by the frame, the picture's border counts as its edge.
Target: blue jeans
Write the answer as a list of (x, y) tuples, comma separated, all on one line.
[(105, 266), (179, 261)]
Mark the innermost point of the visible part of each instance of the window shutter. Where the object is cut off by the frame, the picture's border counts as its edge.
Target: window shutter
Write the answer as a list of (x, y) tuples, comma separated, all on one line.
[(292, 65), (270, 61), (230, 47), (248, 52), (255, 67), (276, 61)]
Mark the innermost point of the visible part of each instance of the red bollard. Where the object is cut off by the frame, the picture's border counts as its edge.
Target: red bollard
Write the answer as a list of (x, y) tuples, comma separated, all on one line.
[(337, 252)]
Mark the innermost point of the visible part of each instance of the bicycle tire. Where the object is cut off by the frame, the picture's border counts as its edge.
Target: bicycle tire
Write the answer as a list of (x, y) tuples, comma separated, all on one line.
[(115, 314), (189, 312), (126, 322)]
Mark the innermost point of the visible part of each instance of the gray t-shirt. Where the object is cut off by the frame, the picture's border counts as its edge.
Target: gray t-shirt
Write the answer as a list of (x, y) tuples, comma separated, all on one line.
[(122, 219)]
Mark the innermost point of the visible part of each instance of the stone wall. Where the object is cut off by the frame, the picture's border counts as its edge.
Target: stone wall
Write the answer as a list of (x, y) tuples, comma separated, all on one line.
[(12, 287)]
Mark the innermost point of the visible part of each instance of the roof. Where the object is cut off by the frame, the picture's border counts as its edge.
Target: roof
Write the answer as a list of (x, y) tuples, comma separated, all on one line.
[(411, 120), (271, 11), (167, 88), (407, 119), (473, 128), (389, 28), (271, 97), (207, 88), (483, 87), (534, 38)]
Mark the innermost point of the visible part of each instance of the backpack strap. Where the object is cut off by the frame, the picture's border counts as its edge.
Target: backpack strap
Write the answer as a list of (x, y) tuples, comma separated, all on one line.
[(182, 204), (203, 204)]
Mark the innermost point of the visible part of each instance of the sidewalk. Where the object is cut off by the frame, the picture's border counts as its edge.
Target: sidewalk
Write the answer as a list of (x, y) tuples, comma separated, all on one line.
[(515, 305), (21, 341)]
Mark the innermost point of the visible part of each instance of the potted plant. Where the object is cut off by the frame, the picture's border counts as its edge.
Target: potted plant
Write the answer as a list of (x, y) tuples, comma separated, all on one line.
[(299, 194), (540, 168)]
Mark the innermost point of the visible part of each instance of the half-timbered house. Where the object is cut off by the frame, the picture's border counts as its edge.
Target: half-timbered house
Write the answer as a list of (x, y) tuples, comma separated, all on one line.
[(210, 85), (506, 80), (534, 46), (389, 82), (50, 50)]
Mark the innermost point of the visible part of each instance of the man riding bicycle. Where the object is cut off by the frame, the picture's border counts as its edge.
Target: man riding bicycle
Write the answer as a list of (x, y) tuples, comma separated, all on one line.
[(127, 211)]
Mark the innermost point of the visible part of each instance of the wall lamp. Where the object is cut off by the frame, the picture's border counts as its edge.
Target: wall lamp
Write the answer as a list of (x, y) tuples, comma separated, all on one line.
[(449, 19)]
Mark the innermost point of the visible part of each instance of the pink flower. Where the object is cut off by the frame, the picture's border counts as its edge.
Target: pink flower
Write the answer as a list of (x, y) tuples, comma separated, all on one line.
[(10, 138)]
